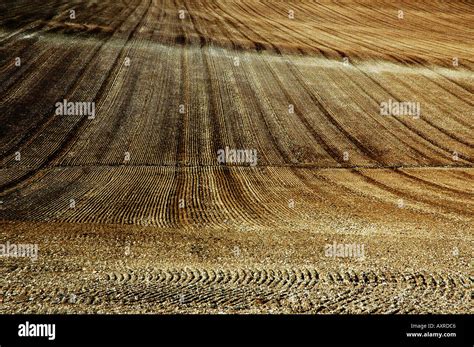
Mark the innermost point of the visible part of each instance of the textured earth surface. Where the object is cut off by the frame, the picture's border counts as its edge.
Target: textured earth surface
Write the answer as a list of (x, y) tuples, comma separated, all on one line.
[(131, 210)]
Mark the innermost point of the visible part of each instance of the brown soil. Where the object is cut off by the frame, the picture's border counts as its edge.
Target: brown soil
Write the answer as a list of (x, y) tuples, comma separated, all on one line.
[(170, 229)]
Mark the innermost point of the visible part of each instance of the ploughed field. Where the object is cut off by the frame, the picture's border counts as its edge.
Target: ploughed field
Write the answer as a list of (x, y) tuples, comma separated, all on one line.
[(131, 208)]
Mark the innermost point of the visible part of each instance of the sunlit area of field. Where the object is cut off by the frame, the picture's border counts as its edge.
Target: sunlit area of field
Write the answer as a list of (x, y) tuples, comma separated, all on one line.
[(236, 156)]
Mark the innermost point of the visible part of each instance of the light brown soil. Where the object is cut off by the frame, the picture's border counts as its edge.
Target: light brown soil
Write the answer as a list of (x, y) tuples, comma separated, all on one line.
[(171, 229)]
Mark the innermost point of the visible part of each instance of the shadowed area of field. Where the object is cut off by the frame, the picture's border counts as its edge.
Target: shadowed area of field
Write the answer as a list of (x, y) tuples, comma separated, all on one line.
[(133, 212)]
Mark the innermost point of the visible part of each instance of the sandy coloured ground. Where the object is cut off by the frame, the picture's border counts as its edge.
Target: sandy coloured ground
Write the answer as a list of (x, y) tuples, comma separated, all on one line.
[(131, 210)]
